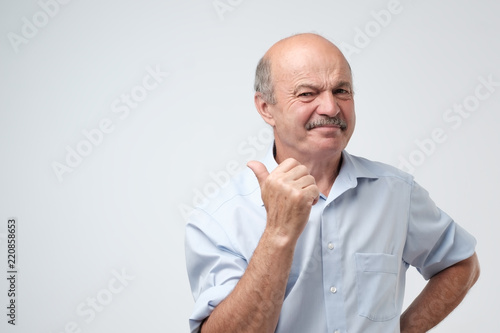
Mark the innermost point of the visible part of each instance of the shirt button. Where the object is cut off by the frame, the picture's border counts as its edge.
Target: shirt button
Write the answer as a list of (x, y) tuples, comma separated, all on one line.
[(330, 246), (333, 290)]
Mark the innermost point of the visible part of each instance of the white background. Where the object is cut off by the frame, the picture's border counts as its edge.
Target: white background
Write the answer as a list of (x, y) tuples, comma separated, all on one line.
[(122, 209)]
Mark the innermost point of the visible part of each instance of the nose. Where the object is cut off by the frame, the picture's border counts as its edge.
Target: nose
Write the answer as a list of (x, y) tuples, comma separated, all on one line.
[(328, 105)]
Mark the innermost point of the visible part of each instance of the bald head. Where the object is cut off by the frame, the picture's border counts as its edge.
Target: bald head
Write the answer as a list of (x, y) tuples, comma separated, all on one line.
[(289, 55)]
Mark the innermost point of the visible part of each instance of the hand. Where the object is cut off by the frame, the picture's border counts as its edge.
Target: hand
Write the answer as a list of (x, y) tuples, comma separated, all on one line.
[(288, 193)]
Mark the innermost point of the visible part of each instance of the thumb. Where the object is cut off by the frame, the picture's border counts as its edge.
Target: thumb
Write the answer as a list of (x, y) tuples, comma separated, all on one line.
[(259, 170)]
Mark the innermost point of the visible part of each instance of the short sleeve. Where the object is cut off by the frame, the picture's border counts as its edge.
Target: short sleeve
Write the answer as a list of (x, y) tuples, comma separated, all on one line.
[(214, 267), (434, 241)]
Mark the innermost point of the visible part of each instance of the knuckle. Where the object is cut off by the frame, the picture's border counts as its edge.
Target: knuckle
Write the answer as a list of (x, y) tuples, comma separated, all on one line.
[(311, 180), (291, 162), (299, 196), (302, 169)]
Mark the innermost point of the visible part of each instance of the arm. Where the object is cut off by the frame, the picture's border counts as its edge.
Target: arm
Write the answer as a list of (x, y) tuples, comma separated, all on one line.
[(441, 295), (255, 303)]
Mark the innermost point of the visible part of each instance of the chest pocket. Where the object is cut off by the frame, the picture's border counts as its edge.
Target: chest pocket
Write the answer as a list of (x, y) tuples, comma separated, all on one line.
[(376, 282)]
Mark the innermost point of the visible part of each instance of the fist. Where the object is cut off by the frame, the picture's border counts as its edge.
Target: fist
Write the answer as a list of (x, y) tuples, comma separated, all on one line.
[(288, 193)]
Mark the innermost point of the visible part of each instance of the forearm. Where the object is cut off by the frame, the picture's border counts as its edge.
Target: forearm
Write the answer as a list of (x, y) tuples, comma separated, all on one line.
[(441, 295), (255, 303), (288, 193)]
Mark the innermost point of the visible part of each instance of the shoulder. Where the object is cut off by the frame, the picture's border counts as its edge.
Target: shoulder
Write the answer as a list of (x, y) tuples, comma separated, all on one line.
[(374, 169), (232, 219), (241, 187)]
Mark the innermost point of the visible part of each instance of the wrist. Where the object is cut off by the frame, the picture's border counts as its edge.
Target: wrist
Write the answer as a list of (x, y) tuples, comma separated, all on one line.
[(279, 238)]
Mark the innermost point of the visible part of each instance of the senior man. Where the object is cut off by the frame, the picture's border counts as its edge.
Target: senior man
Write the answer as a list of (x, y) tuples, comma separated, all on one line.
[(313, 239)]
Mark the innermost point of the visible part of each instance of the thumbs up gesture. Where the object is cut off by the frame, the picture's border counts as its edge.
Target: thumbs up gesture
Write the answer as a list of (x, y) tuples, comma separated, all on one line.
[(288, 193)]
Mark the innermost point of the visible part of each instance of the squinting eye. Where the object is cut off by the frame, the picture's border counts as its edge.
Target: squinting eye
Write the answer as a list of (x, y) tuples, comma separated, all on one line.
[(306, 94), (341, 91)]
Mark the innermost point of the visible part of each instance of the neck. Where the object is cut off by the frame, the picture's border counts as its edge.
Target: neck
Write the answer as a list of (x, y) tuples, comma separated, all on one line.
[(325, 172), (324, 168)]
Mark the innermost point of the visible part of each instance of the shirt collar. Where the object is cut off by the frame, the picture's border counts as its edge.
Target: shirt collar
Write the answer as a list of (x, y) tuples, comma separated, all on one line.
[(352, 169)]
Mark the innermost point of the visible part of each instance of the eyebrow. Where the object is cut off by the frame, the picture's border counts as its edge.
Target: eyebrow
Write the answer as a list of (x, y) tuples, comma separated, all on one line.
[(340, 84), (305, 86), (344, 84)]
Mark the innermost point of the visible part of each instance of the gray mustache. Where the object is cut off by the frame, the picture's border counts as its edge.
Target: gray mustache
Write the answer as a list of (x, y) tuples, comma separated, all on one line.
[(327, 121)]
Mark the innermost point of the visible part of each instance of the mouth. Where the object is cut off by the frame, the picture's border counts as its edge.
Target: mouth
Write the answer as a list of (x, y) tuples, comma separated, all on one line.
[(333, 122)]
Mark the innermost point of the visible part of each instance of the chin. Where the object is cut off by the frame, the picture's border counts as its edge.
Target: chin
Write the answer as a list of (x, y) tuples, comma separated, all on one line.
[(327, 150)]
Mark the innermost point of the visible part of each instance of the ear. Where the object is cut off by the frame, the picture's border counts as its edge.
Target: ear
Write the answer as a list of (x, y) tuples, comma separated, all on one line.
[(263, 108)]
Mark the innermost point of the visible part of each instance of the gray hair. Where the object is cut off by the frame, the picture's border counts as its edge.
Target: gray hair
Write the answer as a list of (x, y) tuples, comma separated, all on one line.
[(263, 80)]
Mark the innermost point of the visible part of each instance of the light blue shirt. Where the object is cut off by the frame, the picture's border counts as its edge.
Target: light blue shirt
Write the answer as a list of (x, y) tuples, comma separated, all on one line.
[(348, 271)]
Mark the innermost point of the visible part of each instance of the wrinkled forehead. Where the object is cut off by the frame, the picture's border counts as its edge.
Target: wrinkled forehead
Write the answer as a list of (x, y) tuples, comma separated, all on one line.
[(324, 67), (320, 60)]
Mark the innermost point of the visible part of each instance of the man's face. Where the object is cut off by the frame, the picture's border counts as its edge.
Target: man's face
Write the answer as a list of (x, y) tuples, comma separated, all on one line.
[(314, 111)]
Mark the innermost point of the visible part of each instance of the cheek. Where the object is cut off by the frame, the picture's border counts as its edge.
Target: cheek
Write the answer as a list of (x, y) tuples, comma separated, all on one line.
[(304, 113), (348, 111), (353, 119), (295, 117), (351, 122)]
